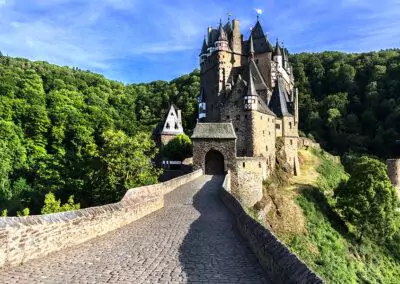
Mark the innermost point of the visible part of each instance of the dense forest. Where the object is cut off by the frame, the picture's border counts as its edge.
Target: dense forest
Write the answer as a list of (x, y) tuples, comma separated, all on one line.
[(75, 133), (351, 102)]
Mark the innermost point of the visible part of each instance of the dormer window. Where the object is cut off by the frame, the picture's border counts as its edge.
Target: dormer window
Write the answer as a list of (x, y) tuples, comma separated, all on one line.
[(176, 126), (168, 127)]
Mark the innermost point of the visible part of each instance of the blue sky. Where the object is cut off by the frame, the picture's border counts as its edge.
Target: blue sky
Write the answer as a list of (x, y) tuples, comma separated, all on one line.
[(145, 40)]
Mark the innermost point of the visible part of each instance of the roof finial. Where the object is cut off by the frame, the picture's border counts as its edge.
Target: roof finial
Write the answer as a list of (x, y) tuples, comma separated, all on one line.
[(229, 16), (259, 12)]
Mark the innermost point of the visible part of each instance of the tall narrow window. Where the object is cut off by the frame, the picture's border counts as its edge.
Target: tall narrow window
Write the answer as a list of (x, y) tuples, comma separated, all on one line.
[(168, 127)]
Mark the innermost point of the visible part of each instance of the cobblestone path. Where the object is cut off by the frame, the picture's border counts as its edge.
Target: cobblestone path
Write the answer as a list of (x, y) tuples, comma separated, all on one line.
[(191, 240)]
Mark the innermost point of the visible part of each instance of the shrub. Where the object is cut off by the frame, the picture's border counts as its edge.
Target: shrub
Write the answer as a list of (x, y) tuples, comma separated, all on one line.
[(52, 205)]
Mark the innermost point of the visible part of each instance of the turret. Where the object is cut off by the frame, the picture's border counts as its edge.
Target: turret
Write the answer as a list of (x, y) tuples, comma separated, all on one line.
[(251, 97), (278, 55), (251, 47), (222, 40), (203, 53)]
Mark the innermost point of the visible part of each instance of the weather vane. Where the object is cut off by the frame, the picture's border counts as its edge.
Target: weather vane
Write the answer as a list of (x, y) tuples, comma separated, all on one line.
[(259, 12)]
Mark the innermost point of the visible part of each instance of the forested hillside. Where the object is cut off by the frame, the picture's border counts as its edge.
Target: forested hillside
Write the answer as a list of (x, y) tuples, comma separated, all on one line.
[(72, 132), (351, 102)]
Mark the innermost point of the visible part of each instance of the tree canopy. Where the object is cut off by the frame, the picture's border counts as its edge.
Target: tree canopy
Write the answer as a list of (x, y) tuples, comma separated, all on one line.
[(368, 201), (71, 132)]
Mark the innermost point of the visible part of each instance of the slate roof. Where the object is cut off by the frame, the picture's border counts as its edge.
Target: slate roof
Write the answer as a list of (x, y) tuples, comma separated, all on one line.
[(222, 34), (257, 77), (279, 100), (278, 50), (214, 131), (251, 45), (251, 89), (257, 31), (204, 48)]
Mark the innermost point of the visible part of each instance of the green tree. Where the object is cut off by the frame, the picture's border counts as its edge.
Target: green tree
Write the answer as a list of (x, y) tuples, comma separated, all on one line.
[(178, 148), (53, 205), (368, 201), (124, 162)]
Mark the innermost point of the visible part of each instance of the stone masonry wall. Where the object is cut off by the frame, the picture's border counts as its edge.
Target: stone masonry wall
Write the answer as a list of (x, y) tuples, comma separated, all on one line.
[(26, 238), (304, 142), (247, 179), (281, 265), (226, 147)]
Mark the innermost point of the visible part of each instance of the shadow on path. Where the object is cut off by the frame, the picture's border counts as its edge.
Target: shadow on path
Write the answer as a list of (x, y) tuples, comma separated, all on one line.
[(212, 251)]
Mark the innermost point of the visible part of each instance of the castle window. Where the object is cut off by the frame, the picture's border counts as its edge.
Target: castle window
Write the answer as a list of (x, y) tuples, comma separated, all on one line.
[(290, 125), (236, 129), (266, 148), (168, 127), (264, 132), (278, 126), (244, 164), (245, 116), (228, 117), (256, 61), (238, 117), (261, 117), (269, 133), (291, 142), (172, 114), (259, 165), (176, 126)]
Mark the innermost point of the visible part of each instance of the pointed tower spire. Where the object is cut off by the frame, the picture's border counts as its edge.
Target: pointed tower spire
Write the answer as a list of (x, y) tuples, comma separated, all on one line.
[(205, 46), (221, 32), (251, 47), (278, 51), (251, 89)]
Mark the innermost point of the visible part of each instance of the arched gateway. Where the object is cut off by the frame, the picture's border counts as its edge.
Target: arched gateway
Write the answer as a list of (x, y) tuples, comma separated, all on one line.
[(214, 147), (214, 163)]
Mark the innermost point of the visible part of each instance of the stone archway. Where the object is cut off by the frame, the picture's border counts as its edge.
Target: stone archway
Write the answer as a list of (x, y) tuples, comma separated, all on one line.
[(214, 163)]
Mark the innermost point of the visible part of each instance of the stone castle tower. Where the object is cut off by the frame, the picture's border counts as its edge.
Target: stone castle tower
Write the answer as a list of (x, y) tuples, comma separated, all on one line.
[(248, 84)]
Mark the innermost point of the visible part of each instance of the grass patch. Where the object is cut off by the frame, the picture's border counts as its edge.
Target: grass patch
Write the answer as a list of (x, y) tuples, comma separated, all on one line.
[(325, 244)]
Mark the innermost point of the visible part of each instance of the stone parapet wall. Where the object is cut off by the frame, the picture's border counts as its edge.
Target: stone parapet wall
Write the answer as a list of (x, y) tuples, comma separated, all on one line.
[(26, 238), (281, 265), (304, 142)]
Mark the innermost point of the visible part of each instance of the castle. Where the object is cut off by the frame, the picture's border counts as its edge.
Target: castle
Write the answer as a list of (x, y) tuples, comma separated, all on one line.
[(247, 103)]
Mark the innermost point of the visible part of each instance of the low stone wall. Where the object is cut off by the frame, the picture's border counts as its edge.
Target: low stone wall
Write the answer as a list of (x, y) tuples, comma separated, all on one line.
[(281, 265), (26, 238), (304, 142)]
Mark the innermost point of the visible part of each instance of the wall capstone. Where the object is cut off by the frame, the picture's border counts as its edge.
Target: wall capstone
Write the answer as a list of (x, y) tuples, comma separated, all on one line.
[(26, 238)]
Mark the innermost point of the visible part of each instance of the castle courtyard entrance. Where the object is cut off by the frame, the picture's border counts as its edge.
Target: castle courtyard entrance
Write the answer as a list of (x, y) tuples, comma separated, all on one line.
[(214, 163)]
